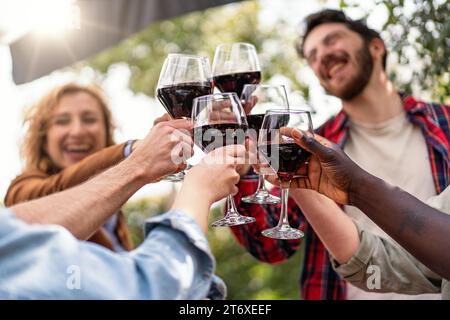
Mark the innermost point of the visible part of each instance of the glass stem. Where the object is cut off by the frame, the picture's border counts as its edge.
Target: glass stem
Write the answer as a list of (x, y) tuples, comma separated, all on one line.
[(284, 203), (231, 207), (261, 184)]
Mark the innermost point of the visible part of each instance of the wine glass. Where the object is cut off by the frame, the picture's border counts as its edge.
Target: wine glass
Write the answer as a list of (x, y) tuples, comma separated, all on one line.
[(285, 157), (183, 77), (235, 65), (219, 120), (257, 99)]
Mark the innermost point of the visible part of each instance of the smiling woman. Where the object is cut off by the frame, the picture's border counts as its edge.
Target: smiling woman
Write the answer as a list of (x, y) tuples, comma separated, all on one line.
[(69, 140), (76, 130), (63, 120)]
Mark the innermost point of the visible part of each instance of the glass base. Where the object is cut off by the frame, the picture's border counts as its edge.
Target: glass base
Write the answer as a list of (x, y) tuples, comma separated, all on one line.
[(284, 232), (176, 177), (261, 197), (233, 219)]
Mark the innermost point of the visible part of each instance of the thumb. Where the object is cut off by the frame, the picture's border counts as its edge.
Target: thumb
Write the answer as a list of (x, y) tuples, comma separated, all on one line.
[(310, 144)]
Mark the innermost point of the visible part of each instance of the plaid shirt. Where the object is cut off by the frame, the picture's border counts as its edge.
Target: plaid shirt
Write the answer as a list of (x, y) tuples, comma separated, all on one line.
[(318, 279)]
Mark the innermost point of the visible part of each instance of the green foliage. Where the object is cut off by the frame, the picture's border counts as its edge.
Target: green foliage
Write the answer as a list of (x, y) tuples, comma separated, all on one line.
[(200, 33), (417, 32), (139, 210), (420, 30), (425, 29), (246, 278)]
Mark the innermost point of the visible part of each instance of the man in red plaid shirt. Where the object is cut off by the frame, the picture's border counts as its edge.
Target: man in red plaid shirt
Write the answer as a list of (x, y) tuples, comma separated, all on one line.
[(393, 136)]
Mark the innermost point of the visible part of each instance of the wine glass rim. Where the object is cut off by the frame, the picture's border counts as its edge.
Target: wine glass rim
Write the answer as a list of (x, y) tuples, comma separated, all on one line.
[(235, 43), (287, 111), (193, 56), (218, 95), (263, 85)]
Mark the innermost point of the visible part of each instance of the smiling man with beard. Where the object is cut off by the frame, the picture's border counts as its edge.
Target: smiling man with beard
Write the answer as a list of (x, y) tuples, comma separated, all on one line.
[(393, 136)]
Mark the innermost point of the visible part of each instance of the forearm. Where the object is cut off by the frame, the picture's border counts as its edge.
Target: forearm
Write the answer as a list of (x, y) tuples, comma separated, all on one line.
[(399, 271), (420, 229), (84, 208), (197, 207), (334, 228), (174, 262), (34, 185)]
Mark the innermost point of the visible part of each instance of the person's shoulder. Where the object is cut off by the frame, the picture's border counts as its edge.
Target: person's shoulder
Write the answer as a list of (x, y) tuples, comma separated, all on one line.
[(429, 106), (22, 178)]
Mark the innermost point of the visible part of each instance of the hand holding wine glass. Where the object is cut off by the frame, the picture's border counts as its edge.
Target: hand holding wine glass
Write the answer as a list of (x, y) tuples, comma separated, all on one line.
[(183, 77), (219, 120), (163, 150), (285, 157), (329, 169), (257, 99), (203, 184)]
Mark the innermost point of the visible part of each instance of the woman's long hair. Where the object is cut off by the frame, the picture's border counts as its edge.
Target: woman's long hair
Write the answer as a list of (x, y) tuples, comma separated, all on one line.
[(38, 120)]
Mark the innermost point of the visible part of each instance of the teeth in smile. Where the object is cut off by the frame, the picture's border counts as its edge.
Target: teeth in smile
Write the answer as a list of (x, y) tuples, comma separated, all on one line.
[(77, 150), (335, 68)]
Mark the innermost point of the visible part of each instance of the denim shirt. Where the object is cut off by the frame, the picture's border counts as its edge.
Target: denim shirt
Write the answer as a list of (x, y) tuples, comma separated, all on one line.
[(47, 262)]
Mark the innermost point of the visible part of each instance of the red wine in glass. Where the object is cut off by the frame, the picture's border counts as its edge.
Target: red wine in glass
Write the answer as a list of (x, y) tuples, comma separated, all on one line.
[(285, 158), (177, 99), (219, 120), (213, 136), (235, 65), (183, 78), (235, 82), (255, 122)]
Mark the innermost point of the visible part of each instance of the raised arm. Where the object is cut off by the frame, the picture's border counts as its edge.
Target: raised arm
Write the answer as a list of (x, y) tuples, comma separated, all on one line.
[(107, 192), (332, 225), (420, 229), (174, 262), (35, 184), (47, 262)]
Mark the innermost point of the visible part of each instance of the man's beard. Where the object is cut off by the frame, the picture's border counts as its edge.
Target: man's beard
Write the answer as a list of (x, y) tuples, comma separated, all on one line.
[(356, 84)]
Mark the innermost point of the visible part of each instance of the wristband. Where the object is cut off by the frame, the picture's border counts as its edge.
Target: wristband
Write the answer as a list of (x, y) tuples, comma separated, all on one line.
[(128, 148)]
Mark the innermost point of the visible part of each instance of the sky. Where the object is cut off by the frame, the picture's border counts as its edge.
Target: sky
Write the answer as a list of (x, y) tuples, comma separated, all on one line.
[(133, 113)]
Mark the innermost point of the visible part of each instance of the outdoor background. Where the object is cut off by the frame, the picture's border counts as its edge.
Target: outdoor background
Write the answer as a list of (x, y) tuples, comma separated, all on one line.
[(417, 34)]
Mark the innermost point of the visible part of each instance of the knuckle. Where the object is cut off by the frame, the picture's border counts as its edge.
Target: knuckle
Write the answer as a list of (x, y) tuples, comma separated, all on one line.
[(329, 153)]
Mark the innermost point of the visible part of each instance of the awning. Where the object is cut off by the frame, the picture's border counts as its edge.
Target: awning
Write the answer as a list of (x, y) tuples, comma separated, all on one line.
[(103, 23)]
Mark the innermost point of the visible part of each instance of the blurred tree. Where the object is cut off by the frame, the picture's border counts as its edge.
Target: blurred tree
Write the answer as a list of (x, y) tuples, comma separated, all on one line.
[(200, 33), (418, 33), (426, 30)]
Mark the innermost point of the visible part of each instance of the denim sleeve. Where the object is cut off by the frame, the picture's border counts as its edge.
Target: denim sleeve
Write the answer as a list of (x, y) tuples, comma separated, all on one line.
[(47, 262)]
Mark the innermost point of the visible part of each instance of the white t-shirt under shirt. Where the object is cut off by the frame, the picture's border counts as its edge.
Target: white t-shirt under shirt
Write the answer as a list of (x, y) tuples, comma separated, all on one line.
[(396, 152)]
